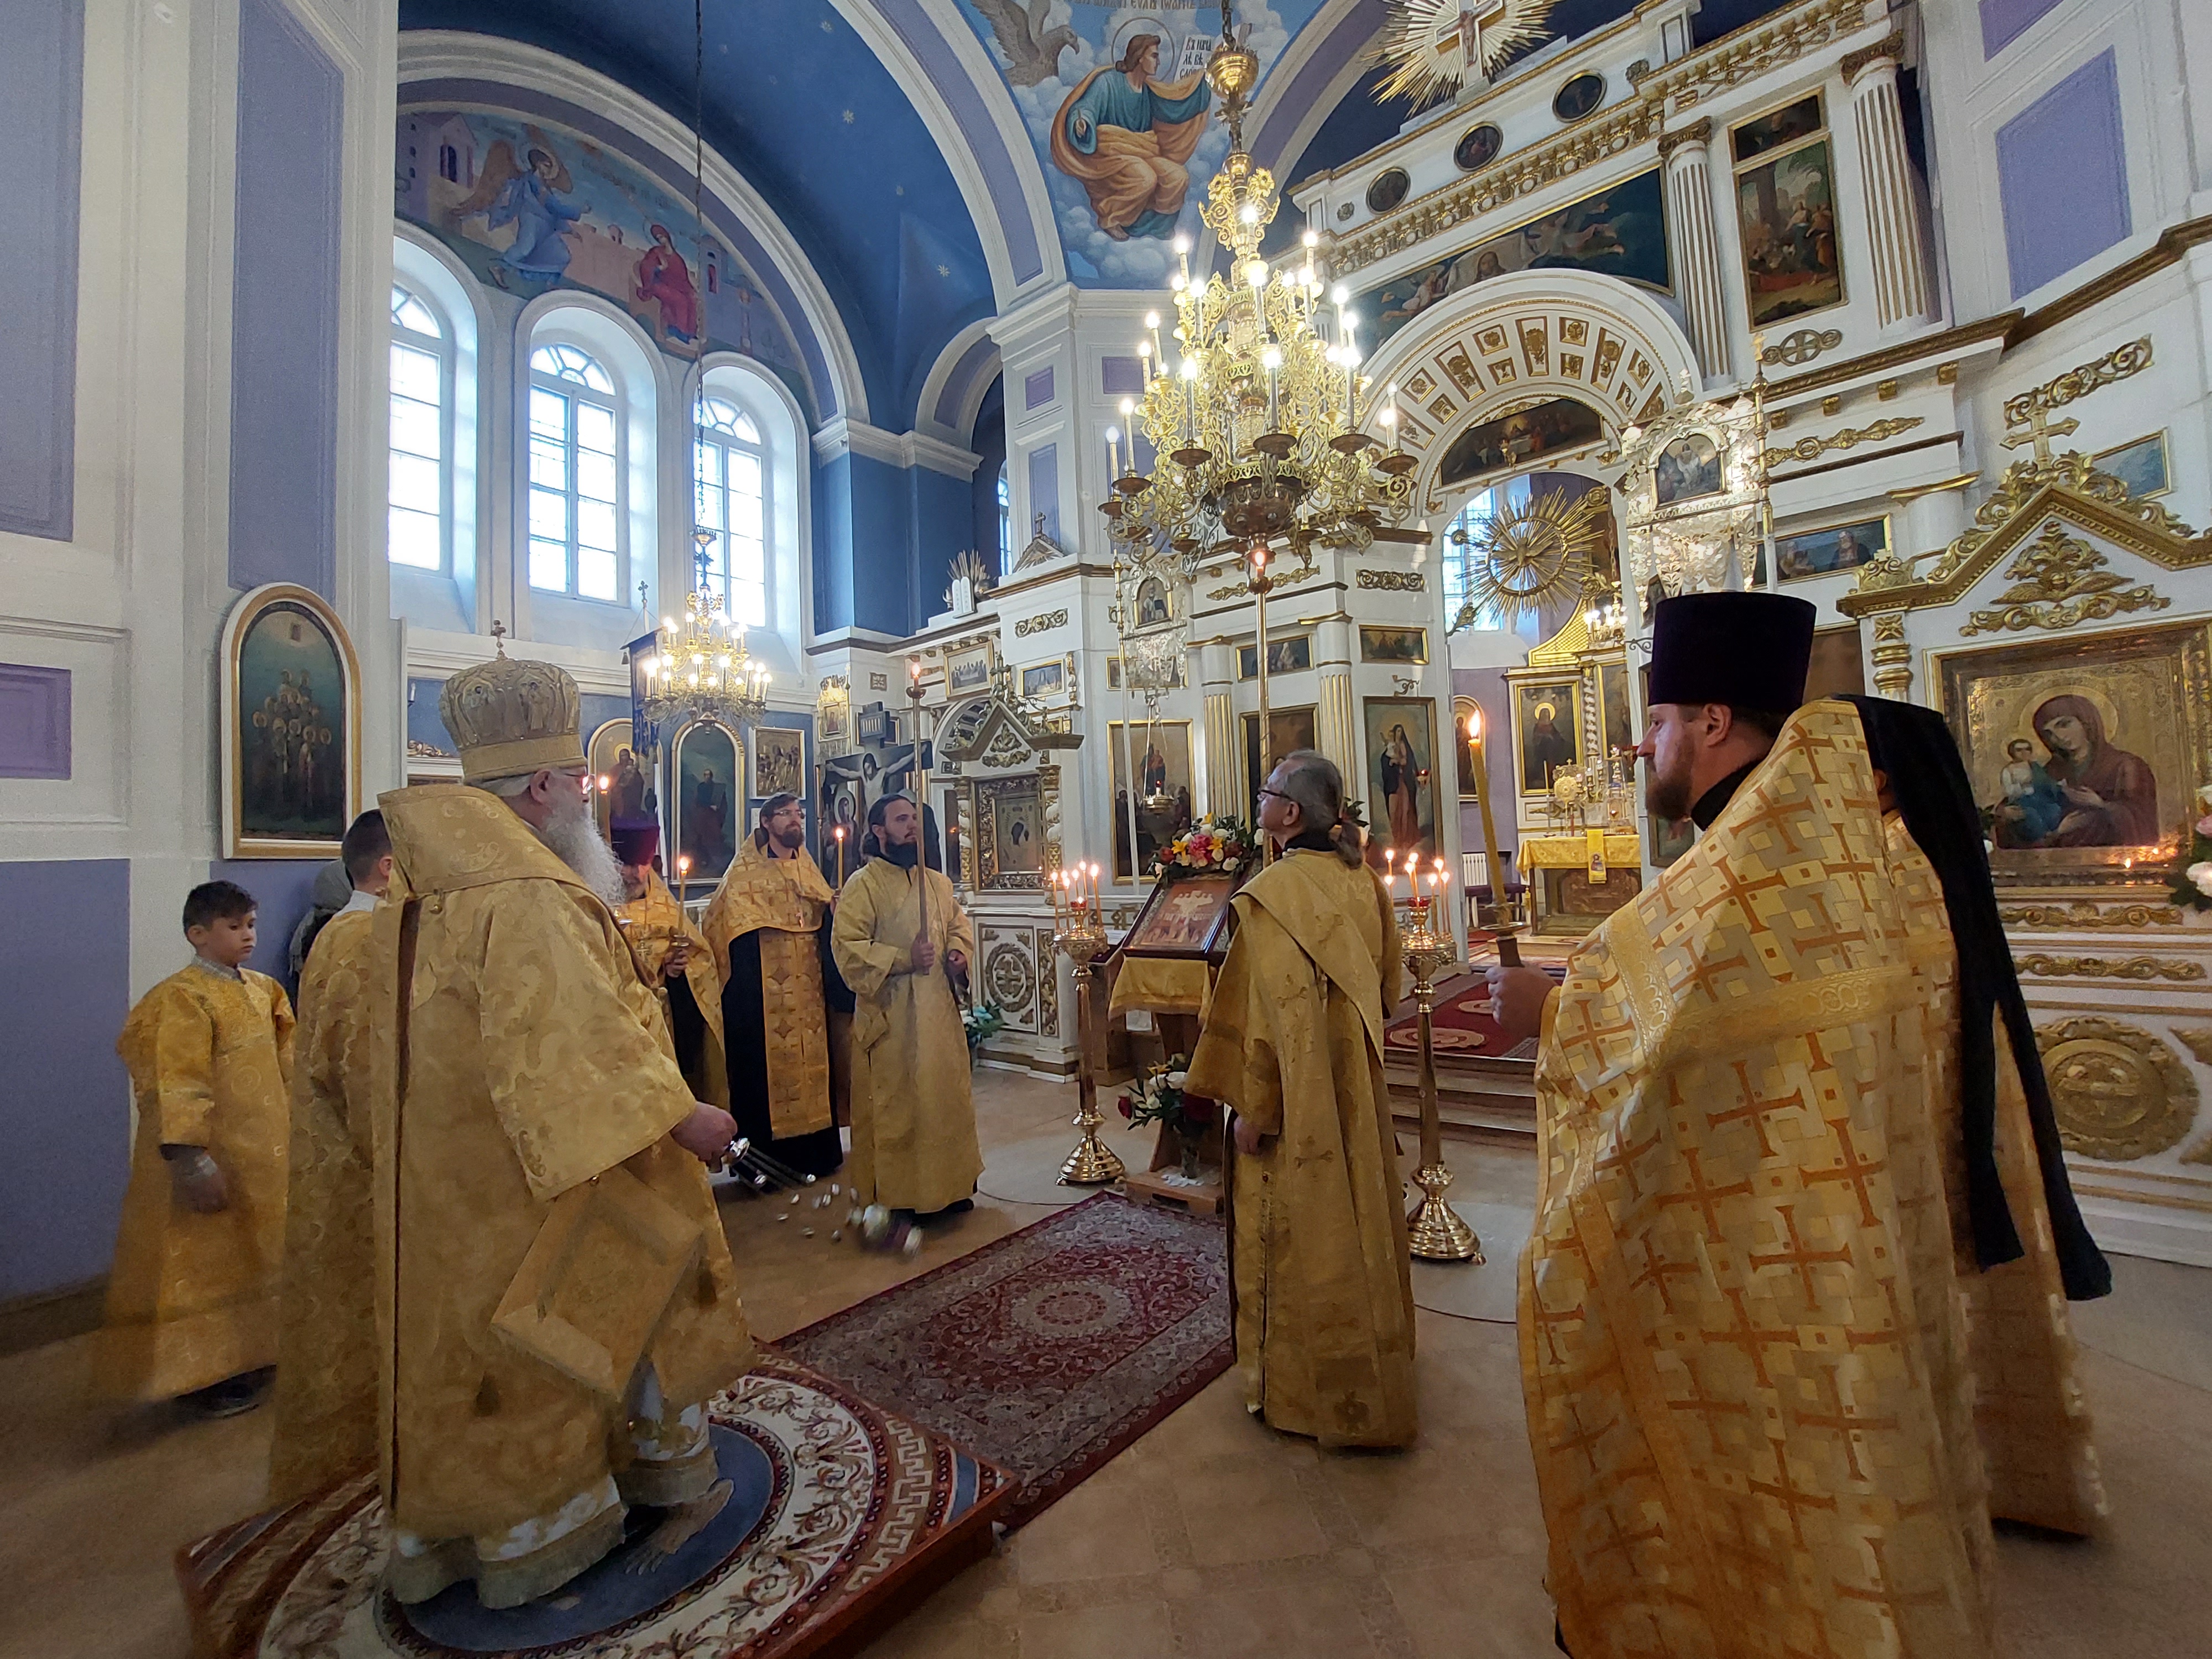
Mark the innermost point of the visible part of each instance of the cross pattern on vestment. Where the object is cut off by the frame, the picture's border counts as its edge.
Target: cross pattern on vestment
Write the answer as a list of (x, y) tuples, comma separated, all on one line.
[(1844, 1421), (1800, 1258), (1793, 1499), (1834, 934), (1707, 975), (1758, 1565), (1586, 1438), (1853, 1169), (1656, 1270), (1732, 886), (1546, 1319), (1620, 1543), (1702, 1196), (1887, 1596), (1623, 1158), (1891, 1335), (1744, 1335), (1755, 1107)]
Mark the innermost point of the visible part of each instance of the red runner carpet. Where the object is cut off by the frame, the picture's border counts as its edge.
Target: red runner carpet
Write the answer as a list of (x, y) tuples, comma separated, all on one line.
[(1460, 1027), (1048, 1350)]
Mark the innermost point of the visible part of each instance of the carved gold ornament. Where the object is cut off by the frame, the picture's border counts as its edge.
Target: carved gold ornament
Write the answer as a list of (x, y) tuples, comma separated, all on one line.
[(2029, 409), (1012, 979), (2082, 913), (1038, 625), (1801, 346), (2197, 1039), (2057, 580), (1433, 47), (1393, 582), (1746, 52), (1525, 558), (1811, 448), (2119, 1092), (2139, 968)]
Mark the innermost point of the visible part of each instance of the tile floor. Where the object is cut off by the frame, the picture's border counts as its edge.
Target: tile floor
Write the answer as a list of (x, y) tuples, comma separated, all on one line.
[(1211, 1536)]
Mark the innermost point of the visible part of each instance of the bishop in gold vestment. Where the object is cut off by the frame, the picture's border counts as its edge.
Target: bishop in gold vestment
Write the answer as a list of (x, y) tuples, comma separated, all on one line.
[(555, 1299), (1294, 1040), (673, 956), (767, 930), (192, 1300), (913, 1112), (325, 1398), (1745, 1352)]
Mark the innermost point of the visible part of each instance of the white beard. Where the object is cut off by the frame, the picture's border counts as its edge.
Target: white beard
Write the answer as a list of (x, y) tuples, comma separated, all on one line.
[(574, 839)]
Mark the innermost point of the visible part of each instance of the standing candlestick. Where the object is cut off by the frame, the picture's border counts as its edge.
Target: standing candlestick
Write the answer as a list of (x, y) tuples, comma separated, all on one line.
[(1093, 1164), (1434, 1231)]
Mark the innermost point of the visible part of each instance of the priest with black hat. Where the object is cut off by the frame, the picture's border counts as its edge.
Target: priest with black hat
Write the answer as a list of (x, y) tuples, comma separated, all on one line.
[(1777, 1170)]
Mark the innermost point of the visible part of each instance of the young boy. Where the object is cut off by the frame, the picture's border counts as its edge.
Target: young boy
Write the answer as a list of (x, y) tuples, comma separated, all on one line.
[(191, 1302)]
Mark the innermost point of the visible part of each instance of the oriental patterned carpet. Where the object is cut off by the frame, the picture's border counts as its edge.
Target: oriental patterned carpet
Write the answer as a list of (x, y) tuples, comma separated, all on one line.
[(1461, 1028), (840, 1516), (1048, 1351)]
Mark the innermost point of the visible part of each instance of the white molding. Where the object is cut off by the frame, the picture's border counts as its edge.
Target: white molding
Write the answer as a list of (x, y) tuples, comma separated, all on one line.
[(802, 469), (932, 387), (454, 55), (900, 449)]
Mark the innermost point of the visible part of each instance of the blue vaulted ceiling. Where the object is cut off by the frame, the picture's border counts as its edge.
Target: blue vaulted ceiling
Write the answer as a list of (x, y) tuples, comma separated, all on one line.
[(797, 103)]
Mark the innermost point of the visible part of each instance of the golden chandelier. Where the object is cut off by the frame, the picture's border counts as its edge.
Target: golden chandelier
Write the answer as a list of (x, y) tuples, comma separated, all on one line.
[(1257, 427), (699, 668)]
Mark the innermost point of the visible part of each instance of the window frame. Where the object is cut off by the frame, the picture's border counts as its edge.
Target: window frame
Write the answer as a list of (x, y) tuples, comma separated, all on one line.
[(757, 446), (442, 347), (616, 405)]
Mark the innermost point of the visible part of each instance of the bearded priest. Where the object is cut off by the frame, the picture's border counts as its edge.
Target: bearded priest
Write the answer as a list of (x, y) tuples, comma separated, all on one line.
[(899, 938), (1294, 1040), (672, 954), (1781, 1156), (768, 935), (555, 1299)]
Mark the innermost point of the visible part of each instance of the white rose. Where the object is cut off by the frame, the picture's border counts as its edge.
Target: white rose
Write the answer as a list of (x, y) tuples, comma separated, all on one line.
[(1175, 1079), (2201, 874), (1228, 864)]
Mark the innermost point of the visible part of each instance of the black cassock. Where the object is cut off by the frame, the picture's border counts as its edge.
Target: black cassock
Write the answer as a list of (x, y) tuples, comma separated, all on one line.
[(745, 1036)]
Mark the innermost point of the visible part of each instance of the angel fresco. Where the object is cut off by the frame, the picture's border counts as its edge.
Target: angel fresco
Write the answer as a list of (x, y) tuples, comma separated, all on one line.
[(1126, 138), (536, 199)]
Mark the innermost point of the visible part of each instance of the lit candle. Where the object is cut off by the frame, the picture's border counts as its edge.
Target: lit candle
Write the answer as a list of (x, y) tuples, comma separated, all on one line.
[(1272, 357), (1152, 323), (1113, 451), (1145, 361), (1129, 420), (1392, 391), (840, 833)]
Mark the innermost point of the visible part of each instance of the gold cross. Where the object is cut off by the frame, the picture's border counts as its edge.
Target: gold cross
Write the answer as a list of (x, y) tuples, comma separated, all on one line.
[(499, 637), (2041, 429)]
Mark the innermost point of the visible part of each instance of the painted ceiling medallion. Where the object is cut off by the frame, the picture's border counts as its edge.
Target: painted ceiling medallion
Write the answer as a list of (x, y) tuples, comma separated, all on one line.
[(1433, 46)]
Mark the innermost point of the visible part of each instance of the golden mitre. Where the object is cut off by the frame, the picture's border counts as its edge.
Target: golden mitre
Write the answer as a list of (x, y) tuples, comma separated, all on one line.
[(512, 717)]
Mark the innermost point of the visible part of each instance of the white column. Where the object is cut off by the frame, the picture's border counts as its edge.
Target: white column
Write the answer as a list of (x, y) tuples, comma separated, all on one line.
[(1893, 214), (1333, 727), (1694, 243)]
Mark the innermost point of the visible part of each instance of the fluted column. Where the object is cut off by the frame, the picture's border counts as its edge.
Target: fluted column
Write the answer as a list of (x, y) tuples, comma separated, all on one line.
[(1332, 728), (1694, 242), (1900, 267), (1224, 758)]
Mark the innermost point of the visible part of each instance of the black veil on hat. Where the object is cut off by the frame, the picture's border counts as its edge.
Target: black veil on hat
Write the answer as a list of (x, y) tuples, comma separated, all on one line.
[(1912, 748), (1747, 650)]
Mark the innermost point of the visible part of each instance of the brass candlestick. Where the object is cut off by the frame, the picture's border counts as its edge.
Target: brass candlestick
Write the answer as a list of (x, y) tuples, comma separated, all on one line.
[(1093, 1164), (1434, 1230)]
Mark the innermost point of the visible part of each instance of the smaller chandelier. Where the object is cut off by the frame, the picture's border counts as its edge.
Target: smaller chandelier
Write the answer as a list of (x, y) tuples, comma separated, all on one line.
[(699, 668)]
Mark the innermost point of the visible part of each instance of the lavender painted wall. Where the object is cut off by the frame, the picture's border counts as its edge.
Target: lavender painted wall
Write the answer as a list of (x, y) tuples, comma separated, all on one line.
[(1121, 376), (65, 1112), (41, 88), (2063, 176), (34, 721), (2004, 22), (1037, 389), (284, 297), (1044, 491)]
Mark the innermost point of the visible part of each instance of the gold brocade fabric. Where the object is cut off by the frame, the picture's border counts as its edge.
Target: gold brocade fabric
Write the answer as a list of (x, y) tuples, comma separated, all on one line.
[(1161, 985), (913, 1113), (193, 1298), (1294, 1042), (652, 925), (2029, 1412), (1742, 1335), (325, 1397), (783, 900), (534, 1059)]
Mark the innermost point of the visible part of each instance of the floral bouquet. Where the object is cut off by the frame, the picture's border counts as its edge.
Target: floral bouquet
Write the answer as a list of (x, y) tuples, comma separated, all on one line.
[(983, 1021), (2193, 886), (1160, 1099), (1217, 842)]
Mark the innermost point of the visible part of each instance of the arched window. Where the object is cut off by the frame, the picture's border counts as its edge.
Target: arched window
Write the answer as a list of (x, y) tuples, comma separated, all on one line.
[(419, 487), (729, 477), (1466, 529), (1005, 522), (576, 498)]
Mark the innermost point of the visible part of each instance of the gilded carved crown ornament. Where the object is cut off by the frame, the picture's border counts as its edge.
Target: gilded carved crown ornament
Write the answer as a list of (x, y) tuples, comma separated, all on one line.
[(510, 717), (2058, 581)]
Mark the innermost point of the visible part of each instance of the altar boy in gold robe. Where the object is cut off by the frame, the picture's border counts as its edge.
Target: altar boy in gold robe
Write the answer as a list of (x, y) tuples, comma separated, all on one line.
[(914, 1112), (192, 1300), (673, 956), (1294, 1040), (556, 1301)]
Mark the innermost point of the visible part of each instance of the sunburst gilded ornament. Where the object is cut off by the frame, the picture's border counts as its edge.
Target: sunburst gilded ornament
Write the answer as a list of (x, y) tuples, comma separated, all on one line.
[(1526, 559), (1432, 47)]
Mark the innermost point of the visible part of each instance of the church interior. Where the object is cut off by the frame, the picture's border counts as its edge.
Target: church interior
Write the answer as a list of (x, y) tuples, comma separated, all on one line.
[(1064, 414)]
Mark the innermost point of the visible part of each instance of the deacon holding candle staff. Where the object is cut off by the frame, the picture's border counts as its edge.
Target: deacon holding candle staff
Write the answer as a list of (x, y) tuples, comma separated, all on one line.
[(1793, 1130)]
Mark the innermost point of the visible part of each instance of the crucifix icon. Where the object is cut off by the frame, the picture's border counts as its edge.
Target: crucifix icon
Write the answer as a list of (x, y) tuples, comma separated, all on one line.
[(499, 636), (1461, 33), (2041, 429)]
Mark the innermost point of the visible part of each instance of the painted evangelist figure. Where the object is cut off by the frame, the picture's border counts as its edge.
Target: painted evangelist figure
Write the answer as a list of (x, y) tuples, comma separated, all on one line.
[(1126, 137)]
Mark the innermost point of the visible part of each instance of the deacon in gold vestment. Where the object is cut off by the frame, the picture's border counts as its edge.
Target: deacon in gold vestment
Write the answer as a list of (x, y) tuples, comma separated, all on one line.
[(326, 1366), (1744, 1341), (913, 1113), (1294, 1040), (672, 954), (767, 929), (192, 1300), (555, 1300)]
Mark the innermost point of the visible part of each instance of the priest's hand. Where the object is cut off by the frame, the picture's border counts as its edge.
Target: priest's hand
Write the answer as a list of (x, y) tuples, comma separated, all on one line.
[(1248, 1136), (957, 962), (925, 956), (196, 1180), (678, 958), (1517, 1000), (706, 1133)]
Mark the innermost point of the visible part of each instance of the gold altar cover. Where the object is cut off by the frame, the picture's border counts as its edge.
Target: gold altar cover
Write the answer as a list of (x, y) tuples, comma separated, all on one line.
[(913, 1111), (652, 925), (325, 1397), (782, 900), (193, 1298), (1162, 985), (1294, 1041), (534, 1059), (1742, 1334)]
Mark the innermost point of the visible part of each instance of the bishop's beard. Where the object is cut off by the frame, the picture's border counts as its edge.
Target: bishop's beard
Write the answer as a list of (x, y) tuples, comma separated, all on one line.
[(576, 839)]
